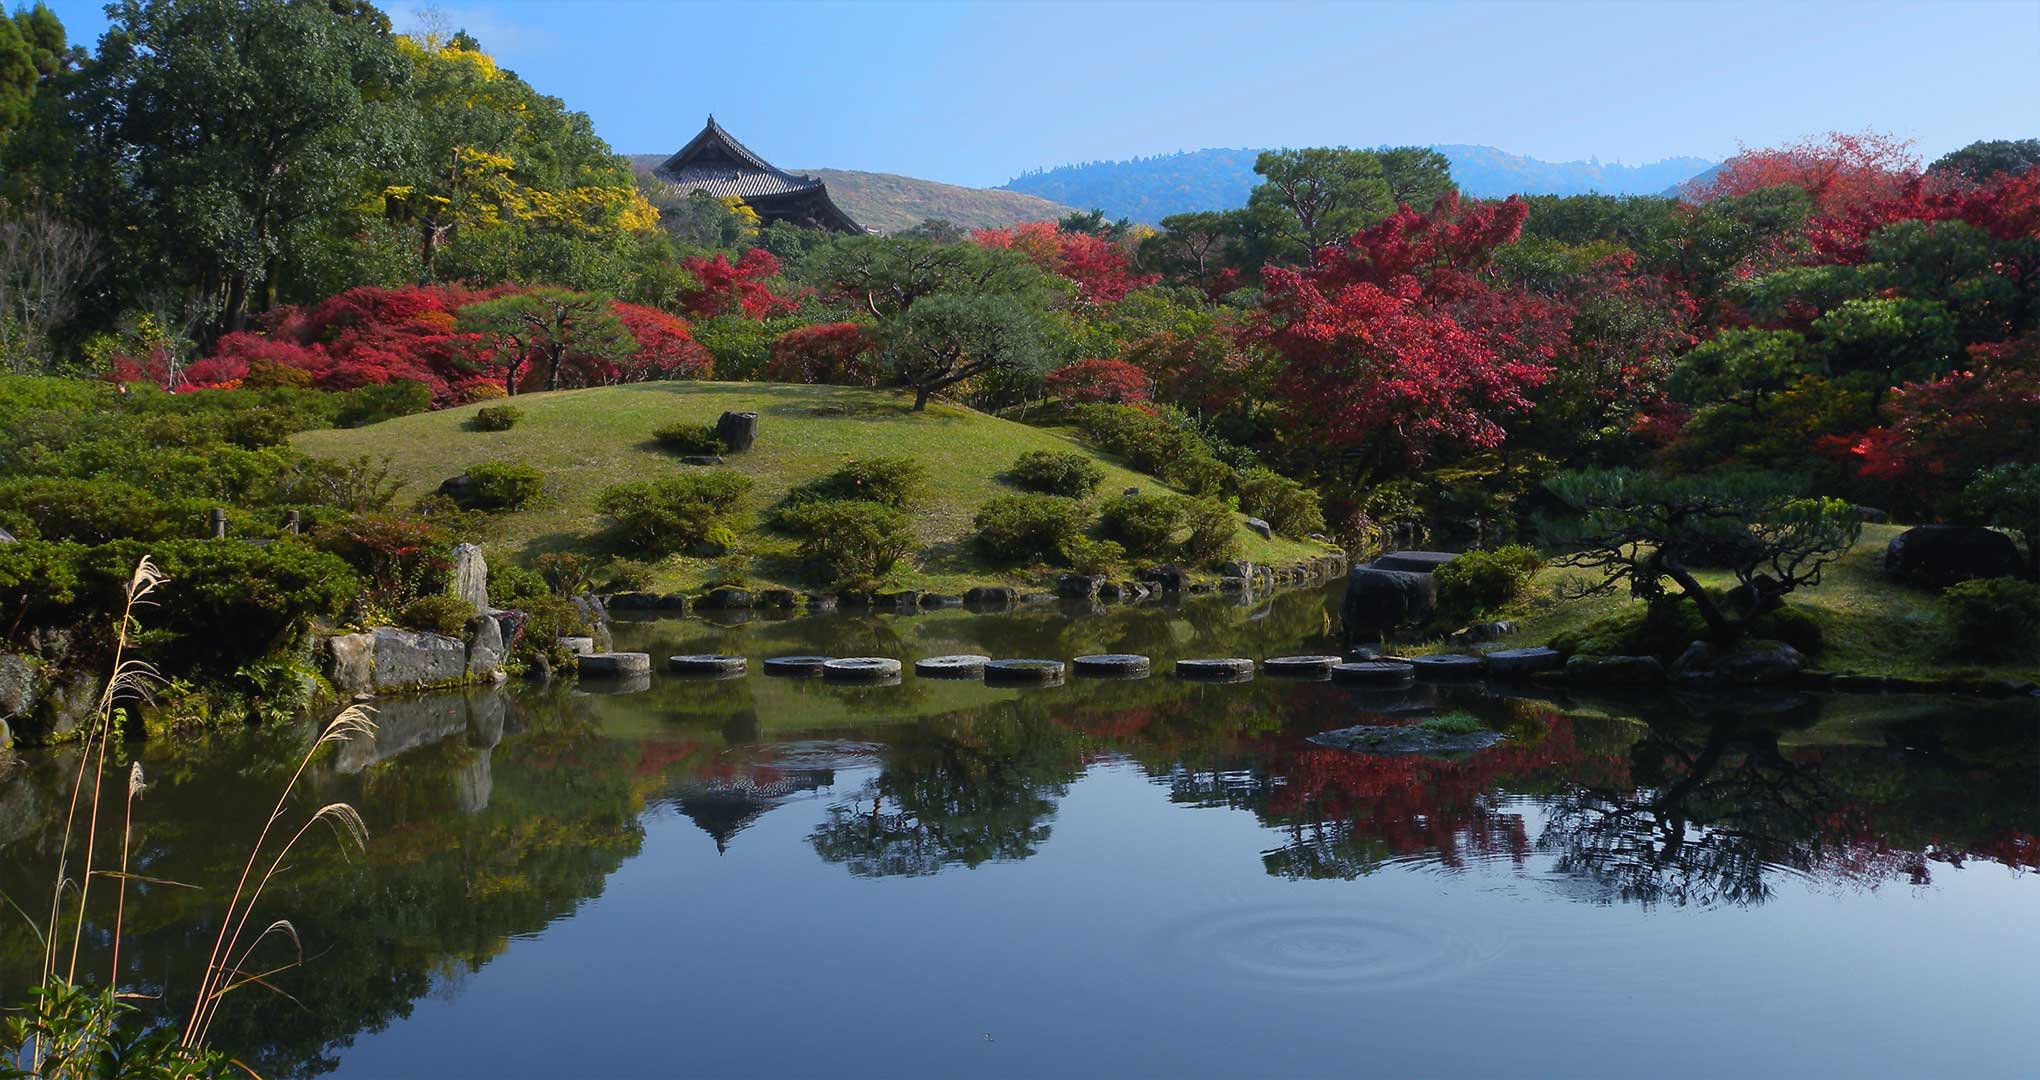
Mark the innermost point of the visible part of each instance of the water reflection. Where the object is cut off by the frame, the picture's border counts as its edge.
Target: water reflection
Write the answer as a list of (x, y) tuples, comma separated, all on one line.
[(498, 814)]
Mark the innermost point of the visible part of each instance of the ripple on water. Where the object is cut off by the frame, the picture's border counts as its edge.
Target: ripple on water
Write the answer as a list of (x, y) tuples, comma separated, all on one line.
[(1322, 947)]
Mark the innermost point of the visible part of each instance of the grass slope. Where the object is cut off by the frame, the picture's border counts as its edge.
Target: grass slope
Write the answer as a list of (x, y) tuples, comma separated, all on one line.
[(584, 440), (1869, 624)]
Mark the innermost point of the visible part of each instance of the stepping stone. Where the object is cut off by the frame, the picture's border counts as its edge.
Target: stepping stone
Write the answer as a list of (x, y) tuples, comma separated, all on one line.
[(1115, 664), (1523, 663), (1225, 668), (800, 667), (1376, 673), (610, 665), (861, 669), (1448, 667), (1023, 671), (961, 666), (706, 664), (1300, 665), (579, 646)]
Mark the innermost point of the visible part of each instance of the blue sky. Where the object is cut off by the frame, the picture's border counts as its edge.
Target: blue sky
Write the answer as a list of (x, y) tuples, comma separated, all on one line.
[(973, 93)]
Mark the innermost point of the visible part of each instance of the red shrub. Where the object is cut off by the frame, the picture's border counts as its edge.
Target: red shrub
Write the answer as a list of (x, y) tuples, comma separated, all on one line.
[(1113, 381), (839, 354)]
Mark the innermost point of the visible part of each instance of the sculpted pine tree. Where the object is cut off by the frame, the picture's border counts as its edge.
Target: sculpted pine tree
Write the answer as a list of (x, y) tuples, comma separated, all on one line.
[(946, 339)]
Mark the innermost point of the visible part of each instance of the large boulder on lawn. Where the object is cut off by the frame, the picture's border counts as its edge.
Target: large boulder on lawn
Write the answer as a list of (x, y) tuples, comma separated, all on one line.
[(738, 430), (1415, 562), (409, 658), (1763, 663), (1939, 555), (1377, 600)]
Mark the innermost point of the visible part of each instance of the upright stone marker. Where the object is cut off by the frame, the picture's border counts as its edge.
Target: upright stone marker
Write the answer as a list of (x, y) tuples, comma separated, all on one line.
[(738, 430), (471, 576)]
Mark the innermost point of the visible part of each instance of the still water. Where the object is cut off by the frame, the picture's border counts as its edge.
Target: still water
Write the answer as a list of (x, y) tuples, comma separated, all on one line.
[(769, 877)]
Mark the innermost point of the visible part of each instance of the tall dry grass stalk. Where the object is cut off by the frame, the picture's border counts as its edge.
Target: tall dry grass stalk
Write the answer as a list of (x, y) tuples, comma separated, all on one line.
[(225, 970)]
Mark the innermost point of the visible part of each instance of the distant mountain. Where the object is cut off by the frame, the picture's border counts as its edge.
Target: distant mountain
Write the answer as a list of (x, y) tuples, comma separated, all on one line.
[(1149, 189), (891, 203)]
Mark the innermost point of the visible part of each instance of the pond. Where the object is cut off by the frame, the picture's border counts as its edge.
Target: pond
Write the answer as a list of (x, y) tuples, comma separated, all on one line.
[(768, 876)]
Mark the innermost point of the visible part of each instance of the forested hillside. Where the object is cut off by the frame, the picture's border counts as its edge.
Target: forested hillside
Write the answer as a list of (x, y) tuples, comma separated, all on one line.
[(1150, 189)]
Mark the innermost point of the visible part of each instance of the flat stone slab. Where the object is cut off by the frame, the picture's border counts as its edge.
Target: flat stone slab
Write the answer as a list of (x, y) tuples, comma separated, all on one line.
[(706, 664), (579, 646), (799, 667), (612, 665), (1023, 671), (861, 669), (1375, 672), (1307, 666), (1523, 663), (1414, 562), (1448, 667), (1225, 667), (959, 666), (1112, 664), (1412, 739)]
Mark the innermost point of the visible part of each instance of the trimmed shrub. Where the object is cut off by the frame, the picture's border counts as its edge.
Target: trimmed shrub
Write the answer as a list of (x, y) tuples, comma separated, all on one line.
[(496, 486), (1144, 440), (497, 417), (676, 513), (1030, 528), (440, 613), (849, 540), (384, 401), (684, 438), (1200, 474), (1214, 531), (565, 573), (887, 481), (1088, 556), (1482, 581), (1286, 505), (1056, 472), (1998, 618), (1145, 525), (628, 575)]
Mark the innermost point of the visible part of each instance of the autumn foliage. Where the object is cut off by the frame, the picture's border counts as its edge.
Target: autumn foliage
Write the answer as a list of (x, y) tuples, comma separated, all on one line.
[(1114, 382), (1100, 268)]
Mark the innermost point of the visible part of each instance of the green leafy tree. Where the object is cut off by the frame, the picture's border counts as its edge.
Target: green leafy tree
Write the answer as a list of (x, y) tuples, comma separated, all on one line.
[(1648, 531), (947, 338), (1743, 368), (1985, 158), (1415, 175), (2008, 496), (222, 132), (1325, 193), (547, 327), (887, 276)]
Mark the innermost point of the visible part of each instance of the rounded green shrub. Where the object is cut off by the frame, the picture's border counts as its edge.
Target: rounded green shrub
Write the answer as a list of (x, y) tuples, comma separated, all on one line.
[(850, 541), (496, 486), (1030, 528), (1200, 473), (628, 575), (888, 481), (683, 438), (1144, 525), (674, 514), (440, 613), (1286, 505), (1088, 556), (1997, 618), (1214, 531), (1056, 472), (1479, 582), (497, 417)]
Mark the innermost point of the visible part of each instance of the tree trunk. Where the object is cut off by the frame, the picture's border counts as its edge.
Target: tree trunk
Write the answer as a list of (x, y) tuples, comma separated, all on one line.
[(1719, 626), (920, 398)]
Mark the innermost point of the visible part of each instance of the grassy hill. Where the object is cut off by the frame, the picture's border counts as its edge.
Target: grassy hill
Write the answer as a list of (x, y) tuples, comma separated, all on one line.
[(890, 203), (584, 440)]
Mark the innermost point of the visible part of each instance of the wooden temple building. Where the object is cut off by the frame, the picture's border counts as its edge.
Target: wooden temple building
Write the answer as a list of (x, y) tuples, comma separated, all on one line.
[(716, 163)]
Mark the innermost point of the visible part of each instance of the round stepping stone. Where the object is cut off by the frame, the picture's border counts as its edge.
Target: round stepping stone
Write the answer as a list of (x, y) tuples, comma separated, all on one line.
[(1230, 667), (1299, 665), (798, 667), (706, 664), (611, 665), (960, 666), (1122, 665), (1448, 667), (1375, 673), (1023, 671), (861, 669)]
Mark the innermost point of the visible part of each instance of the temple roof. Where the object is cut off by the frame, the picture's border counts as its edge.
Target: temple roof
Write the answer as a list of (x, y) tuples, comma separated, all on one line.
[(715, 162)]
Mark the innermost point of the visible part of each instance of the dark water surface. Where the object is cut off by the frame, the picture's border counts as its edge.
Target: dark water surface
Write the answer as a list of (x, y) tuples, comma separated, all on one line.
[(785, 878)]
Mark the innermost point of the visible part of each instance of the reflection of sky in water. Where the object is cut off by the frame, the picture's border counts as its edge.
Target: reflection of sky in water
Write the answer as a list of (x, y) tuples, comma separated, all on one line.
[(1144, 939), (1115, 878)]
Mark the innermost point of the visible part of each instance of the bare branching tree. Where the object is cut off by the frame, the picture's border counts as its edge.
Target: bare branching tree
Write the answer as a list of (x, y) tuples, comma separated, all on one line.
[(45, 259)]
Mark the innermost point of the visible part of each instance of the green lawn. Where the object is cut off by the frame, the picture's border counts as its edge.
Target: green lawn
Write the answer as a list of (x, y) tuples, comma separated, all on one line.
[(584, 440), (1870, 624)]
